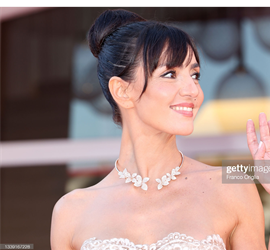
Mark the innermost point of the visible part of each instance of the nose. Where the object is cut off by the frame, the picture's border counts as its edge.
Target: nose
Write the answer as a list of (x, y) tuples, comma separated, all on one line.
[(188, 87)]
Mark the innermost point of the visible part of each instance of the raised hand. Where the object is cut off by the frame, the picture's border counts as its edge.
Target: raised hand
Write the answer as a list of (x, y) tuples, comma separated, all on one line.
[(260, 151)]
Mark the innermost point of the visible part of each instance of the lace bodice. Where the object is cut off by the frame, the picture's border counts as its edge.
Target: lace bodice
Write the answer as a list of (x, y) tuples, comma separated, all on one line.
[(174, 241)]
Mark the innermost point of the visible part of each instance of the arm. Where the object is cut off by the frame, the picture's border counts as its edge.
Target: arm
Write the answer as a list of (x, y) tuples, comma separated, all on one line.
[(61, 226), (249, 233), (260, 151)]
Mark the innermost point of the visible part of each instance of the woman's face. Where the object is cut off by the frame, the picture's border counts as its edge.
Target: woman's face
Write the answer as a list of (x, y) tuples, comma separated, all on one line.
[(172, 98)]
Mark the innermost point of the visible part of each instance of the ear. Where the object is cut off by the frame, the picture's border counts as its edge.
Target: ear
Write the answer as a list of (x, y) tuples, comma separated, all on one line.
[(118, 88)]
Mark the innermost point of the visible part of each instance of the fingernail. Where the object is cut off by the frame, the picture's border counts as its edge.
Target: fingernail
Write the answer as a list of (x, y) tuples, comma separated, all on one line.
[(260, 144)]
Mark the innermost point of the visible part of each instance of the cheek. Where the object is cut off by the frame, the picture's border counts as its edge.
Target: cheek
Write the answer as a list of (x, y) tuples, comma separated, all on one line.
[(162, 93), (155, 102)]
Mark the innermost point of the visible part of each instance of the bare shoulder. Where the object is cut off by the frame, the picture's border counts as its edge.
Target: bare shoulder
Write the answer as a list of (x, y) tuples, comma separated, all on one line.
[(238, 193), (65, 215), (204, 170), (72, 201), (242, 200)]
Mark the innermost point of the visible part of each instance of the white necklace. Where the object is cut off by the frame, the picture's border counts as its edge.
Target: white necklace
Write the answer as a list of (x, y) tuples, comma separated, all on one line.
[(141, 182)]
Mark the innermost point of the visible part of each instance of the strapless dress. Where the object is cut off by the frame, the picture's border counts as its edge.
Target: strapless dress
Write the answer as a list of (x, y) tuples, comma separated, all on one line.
[(174, 241)]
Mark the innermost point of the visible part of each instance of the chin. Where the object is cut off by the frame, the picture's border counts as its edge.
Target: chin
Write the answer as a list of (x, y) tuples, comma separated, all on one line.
[(184, 134), (184, 131)]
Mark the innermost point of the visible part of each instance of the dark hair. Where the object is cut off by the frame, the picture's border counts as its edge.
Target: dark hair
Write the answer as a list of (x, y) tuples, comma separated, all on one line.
[(120, 39)]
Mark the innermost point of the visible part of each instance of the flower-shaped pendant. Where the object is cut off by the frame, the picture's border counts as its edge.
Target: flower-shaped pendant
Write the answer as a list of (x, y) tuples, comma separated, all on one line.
[(164, 181), (135, 178), (141, 182)]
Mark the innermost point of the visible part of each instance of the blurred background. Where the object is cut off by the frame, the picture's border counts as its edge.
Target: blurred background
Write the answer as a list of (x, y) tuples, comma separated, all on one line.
[(57, 132)]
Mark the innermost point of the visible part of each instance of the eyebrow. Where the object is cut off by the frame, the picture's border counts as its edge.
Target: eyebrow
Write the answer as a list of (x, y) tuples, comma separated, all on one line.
[(194, 65)]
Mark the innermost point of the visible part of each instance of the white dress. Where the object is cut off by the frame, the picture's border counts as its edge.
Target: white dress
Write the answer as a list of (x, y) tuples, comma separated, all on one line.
[(174, 241)]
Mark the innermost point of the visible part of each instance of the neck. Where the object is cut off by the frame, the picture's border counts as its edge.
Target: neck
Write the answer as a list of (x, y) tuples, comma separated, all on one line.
[(148, 153)]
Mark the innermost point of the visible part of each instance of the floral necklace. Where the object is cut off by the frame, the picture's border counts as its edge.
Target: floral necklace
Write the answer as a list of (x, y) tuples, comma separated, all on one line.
[(139, 182)]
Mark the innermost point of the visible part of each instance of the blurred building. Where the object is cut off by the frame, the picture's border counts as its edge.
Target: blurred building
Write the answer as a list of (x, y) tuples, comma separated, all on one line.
[(57, 133)]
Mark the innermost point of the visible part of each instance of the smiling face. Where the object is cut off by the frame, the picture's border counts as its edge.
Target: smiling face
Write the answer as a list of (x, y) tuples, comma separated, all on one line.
[(172, 97)]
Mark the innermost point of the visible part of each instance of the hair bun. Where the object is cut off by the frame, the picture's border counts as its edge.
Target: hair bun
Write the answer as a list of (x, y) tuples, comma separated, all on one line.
[(106, 24)]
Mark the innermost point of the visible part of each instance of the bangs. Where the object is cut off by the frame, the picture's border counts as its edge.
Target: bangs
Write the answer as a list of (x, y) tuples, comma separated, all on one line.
[(164, 45), (167, 46), (173, 58)]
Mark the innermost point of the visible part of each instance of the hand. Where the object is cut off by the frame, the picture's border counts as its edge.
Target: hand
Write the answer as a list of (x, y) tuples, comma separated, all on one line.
[(260, 151)]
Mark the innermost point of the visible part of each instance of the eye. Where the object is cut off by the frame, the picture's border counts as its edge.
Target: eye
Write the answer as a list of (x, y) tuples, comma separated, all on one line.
[(170, 74), (196, 76)]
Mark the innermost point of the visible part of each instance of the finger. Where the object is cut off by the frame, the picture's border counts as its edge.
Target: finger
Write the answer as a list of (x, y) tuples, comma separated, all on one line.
[(260, 152), (252, 137), (264, 131)]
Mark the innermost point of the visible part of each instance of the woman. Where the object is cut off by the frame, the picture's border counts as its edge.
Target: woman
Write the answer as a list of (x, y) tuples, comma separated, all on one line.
[(149, 72)]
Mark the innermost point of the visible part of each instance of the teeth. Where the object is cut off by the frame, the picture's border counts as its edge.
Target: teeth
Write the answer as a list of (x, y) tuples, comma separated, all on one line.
[(182, 108)]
